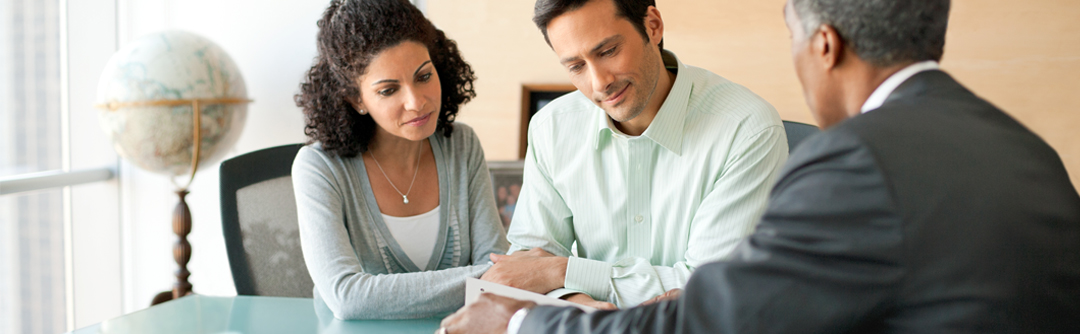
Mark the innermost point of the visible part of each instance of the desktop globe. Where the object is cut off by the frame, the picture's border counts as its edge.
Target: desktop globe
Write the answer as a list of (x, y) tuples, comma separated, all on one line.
[(171, 102), (147, 95)]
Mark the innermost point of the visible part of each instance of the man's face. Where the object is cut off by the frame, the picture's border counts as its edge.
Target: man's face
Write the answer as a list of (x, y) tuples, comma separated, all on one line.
[(608, 60), (812, 71)]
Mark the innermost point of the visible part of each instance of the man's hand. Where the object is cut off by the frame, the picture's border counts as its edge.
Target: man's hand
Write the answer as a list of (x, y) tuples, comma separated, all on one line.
[(533, 270), (672, 294), (587, 300), (489, 314)]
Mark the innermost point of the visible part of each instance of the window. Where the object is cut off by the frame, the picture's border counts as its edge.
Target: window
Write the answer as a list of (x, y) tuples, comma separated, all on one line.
[(32, 276), (32, 263), (59, 243)]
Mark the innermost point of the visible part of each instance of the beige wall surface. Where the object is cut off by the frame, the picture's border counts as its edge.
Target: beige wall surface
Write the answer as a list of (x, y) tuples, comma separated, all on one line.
[(1023, 56)]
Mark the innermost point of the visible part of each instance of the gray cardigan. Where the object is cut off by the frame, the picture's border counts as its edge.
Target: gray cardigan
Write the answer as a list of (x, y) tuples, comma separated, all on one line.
[(358, 268)]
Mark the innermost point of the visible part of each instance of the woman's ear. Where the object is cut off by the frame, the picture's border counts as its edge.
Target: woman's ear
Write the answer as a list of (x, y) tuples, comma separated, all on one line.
[(359, 106)]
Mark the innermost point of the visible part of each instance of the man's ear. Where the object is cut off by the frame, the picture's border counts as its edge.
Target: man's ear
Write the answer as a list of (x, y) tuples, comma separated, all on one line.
[(654, 25), (828, 46)]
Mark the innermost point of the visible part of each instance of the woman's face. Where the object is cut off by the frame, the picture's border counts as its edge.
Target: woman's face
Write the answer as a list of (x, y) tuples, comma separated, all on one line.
[(401, 92)]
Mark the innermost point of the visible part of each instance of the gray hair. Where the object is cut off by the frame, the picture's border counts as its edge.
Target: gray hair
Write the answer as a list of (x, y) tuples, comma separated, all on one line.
[(882, 32)]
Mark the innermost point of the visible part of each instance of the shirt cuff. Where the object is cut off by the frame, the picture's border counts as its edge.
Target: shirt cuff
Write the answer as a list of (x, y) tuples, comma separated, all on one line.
[(514, 324), (561, 292), (589, 276)]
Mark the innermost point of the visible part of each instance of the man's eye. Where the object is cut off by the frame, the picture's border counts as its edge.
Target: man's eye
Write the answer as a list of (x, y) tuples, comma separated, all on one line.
[(575, 68), (388, 91), (607, 52)]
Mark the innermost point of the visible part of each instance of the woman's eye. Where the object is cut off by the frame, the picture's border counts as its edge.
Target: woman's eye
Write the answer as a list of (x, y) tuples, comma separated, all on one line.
[(425, 77), (388, 91)]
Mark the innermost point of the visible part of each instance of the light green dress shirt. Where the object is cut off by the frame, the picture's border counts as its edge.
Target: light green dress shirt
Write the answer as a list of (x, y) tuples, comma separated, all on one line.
[(645, 211)]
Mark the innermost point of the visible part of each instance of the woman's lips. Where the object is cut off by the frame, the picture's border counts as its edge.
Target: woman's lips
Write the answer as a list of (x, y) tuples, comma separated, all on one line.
[(420, 121)]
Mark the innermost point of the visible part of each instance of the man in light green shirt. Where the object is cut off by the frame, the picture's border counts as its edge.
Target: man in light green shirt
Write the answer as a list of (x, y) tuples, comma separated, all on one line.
[(653, 167)]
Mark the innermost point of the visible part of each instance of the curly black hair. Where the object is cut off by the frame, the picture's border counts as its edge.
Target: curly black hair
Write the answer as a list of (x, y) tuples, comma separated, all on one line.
[(351, 34)]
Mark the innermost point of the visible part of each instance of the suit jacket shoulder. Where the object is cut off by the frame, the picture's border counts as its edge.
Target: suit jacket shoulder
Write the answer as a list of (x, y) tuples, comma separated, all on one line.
[(987, 205)]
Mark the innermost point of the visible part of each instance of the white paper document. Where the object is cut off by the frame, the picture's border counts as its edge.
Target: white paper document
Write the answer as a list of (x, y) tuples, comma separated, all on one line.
[(474, 287)]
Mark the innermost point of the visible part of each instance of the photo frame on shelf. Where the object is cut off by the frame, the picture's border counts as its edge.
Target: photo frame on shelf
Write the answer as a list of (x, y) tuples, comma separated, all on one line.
[(506, 178)]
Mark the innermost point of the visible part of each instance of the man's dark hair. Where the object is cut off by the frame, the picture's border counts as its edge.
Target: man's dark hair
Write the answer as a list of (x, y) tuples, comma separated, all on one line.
[(882, 32), (631, 10)]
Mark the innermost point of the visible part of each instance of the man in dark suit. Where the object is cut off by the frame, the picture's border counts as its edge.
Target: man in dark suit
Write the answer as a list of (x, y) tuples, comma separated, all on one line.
[(921, 208)]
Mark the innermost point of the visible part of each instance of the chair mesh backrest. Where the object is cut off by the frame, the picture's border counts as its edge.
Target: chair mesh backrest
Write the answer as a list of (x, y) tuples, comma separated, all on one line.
[(271, 238), (258, 217), (797, 132)]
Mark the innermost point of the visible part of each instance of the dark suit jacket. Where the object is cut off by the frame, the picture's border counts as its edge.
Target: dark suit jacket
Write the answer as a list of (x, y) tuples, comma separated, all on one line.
[(936, 213)]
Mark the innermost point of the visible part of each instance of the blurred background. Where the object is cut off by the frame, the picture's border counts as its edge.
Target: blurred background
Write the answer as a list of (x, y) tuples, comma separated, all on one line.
[(99, 245)]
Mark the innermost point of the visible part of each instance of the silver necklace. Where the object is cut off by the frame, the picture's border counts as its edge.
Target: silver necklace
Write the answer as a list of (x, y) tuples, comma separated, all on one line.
[(405, 196)]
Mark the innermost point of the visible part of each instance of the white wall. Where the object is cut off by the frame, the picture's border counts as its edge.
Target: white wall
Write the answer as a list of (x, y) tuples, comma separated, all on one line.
[(273, 43)]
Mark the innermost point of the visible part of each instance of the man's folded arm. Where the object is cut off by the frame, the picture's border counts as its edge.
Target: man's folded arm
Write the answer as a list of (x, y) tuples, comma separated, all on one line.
[(824, 259), (625, 283)]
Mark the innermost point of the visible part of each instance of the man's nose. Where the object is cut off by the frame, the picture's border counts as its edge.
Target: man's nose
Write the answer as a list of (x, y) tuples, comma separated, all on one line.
[(601, 79)]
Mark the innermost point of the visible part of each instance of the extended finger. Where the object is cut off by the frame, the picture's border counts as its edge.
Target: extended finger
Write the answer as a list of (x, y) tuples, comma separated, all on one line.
[(494, 298)]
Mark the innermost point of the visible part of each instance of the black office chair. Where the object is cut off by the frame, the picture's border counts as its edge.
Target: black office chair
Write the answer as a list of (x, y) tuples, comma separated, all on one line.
[(258, 216), (797, 132)]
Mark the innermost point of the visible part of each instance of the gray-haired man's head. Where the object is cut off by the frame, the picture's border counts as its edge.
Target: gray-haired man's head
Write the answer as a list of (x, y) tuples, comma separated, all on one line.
[(844, 49), (881, 32)]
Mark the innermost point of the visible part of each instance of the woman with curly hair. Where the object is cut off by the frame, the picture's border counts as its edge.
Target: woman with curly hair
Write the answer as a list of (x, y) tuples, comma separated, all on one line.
[(394, 200)]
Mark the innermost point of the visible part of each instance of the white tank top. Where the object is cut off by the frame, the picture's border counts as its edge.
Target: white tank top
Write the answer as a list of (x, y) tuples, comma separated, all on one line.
[(416, 235)]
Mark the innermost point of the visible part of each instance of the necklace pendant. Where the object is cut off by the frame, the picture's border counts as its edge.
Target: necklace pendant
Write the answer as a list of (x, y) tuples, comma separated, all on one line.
[(405, 199)]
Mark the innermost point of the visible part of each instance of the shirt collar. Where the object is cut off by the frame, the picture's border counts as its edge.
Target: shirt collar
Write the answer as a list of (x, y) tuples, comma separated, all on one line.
[(666, 128), (886, 88)]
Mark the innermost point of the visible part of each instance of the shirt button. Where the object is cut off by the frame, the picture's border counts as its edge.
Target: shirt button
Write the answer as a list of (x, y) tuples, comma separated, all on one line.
[(639, 218)]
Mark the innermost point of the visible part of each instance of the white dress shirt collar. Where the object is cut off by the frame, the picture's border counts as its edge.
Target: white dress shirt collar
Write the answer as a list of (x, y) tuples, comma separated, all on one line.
[(886, 88)]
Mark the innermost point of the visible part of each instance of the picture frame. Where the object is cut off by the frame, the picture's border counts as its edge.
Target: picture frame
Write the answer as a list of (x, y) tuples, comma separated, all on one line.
[(506, 180)]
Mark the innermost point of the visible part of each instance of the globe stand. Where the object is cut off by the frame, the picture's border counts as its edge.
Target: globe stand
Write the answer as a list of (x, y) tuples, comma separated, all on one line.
[(181, 225), (181, 222)]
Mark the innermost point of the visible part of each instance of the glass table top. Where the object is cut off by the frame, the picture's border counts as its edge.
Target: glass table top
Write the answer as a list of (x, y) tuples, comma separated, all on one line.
[(249, 314)]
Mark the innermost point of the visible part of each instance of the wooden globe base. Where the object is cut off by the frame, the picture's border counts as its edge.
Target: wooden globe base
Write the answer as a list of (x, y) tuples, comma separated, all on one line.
[(181, 225)]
